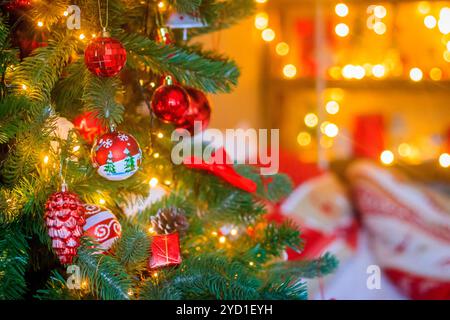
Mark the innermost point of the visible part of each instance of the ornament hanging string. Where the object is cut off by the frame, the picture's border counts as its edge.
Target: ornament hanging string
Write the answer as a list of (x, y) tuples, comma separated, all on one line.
[(104, 26)]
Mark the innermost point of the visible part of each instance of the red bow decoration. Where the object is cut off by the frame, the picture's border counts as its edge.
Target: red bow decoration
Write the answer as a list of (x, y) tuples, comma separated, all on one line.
[(218, 166)]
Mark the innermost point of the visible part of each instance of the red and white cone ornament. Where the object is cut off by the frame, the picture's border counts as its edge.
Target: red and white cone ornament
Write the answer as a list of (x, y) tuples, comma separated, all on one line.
[(170, 102), (64, 217), (102, 226), (105, 56), (116, 155)]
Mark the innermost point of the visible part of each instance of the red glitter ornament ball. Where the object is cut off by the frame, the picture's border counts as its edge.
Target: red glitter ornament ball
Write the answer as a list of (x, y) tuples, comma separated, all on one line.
[(199, 110), (64, 217), (89, 126), (105, 56), (170, 102)]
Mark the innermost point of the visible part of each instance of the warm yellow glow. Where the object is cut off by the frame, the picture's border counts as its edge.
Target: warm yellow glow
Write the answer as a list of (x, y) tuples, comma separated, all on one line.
[(46, 159), (251, 263), (332, 107), (130, 292), (151, 230), (304, 138), (160, 135), (444, 160), (152, 84), (436, 74), (261, 20), (24, 87), (102, 201), (153, 182), (289, 71), (423, 7), (335, 72), (342, 30), (323, 125), (93, 35), (311, 120), (40, 24), (379, 12), (260, 1), (444, 21), (82, 36), (167, 182), (379, 28), (416, 74), (430, 22), (214, 233), (326, 142), (268, 35), (156, 155), (378, 71), (222, 239), (76, 148), (331, 130), (282, 48), (84, 284), (341, 9), (161, 5), (446, 56), (233, 232), (353, 72), (155, 274), (404, 150), (387, 157), (65, 13)]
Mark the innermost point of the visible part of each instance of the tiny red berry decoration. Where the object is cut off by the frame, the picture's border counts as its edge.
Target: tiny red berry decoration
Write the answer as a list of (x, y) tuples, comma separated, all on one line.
[(117, 155), (199, 110), (64, 217), (105, 56), (170, 102)]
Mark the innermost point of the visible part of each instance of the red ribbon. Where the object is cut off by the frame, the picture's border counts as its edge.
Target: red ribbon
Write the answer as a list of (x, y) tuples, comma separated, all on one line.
[(219, 167)]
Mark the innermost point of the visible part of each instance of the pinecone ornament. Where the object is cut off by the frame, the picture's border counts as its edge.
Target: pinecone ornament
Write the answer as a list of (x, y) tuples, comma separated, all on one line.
[(169, 220), (64, 216)]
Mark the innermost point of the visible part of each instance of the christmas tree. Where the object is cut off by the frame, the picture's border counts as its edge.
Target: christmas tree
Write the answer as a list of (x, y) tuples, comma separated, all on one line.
[(110, 168), (218, 245)]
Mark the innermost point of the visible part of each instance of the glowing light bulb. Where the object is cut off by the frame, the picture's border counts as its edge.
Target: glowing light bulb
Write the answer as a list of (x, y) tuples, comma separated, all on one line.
[(282, 49), (404, 150), (311, 120), (76, 148), (156, 155), (233, 232), (378, 71), (289, 71), (347, 71), (379, 28), (161, 5), (342, 30), (65, 13), (444, 160), (387, 157), (46, 159), (261, 20), (82, 36), (167, 182), (151, 230), (102, 201), (331, 130), (436, 74), (222, 239), (423, 7), (341, 9), (359, 72), (260, 1), (251, 263), (416, 74), (304, 138), (155, 274), (444, 21), (332, 107), (268, 35), (379, 12), (153, 182), (24, 87), (430, 22), (214, 233), (40, 24), (160, 135)]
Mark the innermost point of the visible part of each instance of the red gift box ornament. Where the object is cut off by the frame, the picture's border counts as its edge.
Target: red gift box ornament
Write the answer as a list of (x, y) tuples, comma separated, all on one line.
[(165, 251)]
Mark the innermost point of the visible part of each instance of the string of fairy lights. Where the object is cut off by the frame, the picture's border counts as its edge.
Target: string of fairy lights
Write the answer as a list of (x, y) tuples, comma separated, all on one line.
[(376, 21)]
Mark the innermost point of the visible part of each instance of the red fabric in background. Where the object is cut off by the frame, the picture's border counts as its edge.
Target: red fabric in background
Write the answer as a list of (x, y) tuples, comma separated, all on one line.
[(368, 136)]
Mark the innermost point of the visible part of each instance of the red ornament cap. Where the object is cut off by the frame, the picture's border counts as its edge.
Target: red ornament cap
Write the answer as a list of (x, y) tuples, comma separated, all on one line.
[(105, 56)]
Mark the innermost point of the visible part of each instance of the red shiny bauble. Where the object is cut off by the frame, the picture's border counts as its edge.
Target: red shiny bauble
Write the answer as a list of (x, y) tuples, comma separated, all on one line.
[(89, 126), (64, 217), (199, 111), (105, 56), (18, 4), (170, 102), (116, 155)]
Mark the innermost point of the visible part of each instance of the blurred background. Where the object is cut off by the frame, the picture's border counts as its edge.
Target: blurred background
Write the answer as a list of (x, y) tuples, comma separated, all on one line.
[(360, 92)]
